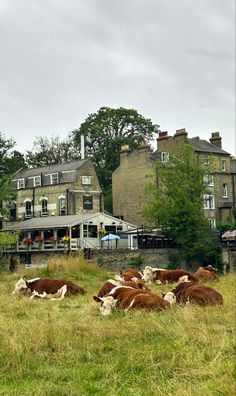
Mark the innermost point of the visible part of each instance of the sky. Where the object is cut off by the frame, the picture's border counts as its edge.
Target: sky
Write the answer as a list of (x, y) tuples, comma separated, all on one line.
[(172, 61)]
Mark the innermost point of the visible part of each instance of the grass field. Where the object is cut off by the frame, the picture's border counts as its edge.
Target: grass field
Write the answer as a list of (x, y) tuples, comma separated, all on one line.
[(65, 347)]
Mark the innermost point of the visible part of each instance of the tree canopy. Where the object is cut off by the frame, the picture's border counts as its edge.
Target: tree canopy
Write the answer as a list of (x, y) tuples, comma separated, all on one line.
[(176, 204), (50, 150), (105, 132), (10, 161)]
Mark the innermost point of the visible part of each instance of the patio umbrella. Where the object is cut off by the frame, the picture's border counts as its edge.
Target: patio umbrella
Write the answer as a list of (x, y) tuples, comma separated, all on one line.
[(110, 237), (230, 235)]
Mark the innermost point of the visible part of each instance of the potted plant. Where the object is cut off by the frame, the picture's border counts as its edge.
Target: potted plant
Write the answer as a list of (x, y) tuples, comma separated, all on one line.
[(66, 240), (53, 239), (38, 240), (27, 241), (101, 232)]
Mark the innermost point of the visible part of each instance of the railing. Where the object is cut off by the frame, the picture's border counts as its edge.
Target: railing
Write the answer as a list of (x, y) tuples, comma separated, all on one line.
[(36, 246)]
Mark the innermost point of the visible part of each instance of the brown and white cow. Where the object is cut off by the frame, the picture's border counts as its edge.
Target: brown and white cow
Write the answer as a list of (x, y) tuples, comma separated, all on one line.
[(171, 276), (129, 274), (111, 284), (203, 274), (126, 298), (48, 286), (190, 292)]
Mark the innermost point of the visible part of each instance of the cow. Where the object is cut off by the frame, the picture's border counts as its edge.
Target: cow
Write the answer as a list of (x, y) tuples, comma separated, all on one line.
[(203, 274), (148, 273), (126, 298), (49, 286), (171, 276), (210, 268), (110, 284), (190, 292), (129, 274), (59, 295)]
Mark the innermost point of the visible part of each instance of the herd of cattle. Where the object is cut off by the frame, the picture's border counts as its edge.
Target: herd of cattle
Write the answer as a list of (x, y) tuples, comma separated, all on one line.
[(129, 290)]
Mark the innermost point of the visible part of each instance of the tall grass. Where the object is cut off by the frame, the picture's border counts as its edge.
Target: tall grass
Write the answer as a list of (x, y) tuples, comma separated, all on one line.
[(66, 348)]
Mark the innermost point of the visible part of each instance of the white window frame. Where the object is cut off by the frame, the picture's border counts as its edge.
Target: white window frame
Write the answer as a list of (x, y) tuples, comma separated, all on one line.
[(28, 212), (212, 222), (209, 180), (225, 190), (164, 156), (44, 210), (206, 159), (223, 165), (19, 181), (51, 178), (61, 209), (208, 201), (35, 184), (86, 180)]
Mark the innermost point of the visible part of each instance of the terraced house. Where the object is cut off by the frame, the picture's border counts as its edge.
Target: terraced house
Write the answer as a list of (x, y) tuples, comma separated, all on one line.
[(56, 190), (136, 170)]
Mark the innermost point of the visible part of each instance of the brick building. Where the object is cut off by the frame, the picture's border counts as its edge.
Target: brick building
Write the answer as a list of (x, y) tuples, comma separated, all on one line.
[(56, 190), (136, 170)]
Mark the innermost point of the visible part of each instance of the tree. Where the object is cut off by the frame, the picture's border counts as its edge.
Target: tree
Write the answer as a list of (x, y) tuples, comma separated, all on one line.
[(176, 205), (105, 132), (47, 151), (10, 162)]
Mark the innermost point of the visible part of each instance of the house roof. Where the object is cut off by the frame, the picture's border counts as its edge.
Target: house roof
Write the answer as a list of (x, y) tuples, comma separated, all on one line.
[(44, 170), (41, 223), (205, 146)]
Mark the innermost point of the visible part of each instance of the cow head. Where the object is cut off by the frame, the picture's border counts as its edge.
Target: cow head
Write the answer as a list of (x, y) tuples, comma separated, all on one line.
[(107, 304), (183, 278), (170, 297), (147, 274), (21, 287)]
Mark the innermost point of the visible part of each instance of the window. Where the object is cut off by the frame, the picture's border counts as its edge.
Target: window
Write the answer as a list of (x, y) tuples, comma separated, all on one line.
[(206, 159), (28, 209), (36, 180), (44, 207), (62, 207), (90, 231), (20, 183), (209, 180), (212, 222), (54, 178), (208, 202), (164, 156), (223, 165), (225, 190), (86, 179)]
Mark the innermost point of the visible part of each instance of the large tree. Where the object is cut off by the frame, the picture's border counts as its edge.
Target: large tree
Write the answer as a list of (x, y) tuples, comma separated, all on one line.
[(10, 161), (52, 150), (176, 204), (105, 132)]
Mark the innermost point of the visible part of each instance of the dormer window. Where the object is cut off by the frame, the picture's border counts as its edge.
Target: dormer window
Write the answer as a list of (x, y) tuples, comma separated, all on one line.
[(54, 178), (86, 179), (36, 181), (20, 183)]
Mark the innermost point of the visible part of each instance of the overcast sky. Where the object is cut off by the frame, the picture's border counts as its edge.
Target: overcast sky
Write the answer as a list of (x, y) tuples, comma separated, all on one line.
[(173, 61)]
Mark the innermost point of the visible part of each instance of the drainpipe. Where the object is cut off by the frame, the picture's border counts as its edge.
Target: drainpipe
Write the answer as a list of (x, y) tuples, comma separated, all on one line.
[(33, 201), (67, 201)]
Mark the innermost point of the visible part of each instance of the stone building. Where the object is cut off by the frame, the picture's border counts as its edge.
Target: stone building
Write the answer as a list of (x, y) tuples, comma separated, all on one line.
[(136, 170), (56, 190)]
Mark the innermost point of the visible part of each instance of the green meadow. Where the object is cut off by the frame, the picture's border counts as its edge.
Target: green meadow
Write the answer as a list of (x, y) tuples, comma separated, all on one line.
[(62, 348)]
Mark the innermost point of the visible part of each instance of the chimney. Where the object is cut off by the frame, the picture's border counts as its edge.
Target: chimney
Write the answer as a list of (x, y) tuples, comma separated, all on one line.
[(181, 135), (82, 147), (215, 139), (163, 134)]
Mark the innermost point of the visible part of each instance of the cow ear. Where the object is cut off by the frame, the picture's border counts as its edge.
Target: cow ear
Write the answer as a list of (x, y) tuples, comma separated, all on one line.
[(163, 294), (23, 277), (97, 299)]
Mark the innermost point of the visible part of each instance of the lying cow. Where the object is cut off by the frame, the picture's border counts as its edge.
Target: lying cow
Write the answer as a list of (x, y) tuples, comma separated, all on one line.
[(59, 295), (149, 272), (203, 274), (126, 298), (48, 286), (129, 274), (171, 276), (111, 284), (190, 292)]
